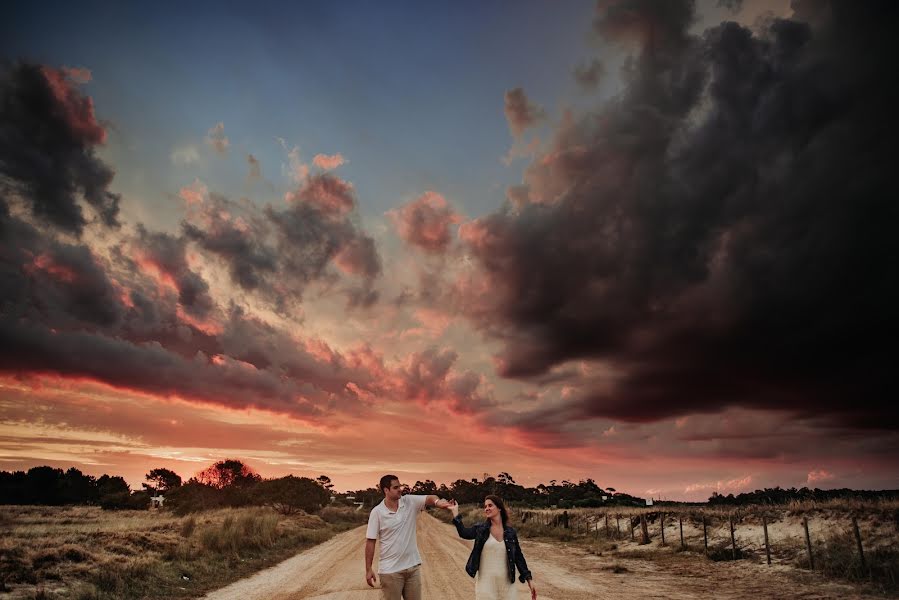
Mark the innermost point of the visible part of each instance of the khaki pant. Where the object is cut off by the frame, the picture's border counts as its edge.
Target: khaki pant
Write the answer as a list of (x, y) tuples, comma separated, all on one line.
[(402, 585)]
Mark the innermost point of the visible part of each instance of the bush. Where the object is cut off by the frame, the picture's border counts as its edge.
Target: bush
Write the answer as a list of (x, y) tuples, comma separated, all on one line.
[(188, 526), (290, 494), (253, 530), (344, 514), (193, 497), (837, 556)]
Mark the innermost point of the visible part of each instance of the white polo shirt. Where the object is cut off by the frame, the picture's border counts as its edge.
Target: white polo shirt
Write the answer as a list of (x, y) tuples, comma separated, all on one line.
[(396, 530)]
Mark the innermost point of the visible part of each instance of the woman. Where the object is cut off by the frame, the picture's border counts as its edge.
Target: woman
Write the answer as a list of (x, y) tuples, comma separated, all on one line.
[(495, 554)]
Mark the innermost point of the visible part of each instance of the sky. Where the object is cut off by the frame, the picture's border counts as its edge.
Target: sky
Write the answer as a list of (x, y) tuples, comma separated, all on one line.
[(645, 243)]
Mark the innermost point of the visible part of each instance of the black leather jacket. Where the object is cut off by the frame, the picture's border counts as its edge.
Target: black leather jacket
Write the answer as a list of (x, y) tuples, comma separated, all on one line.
[(479, 533)]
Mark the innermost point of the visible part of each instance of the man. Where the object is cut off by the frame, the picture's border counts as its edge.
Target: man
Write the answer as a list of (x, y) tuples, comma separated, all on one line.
[(393, 521)]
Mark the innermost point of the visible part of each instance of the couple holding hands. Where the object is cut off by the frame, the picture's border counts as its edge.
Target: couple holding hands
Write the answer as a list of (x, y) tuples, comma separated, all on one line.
[(495, 555)]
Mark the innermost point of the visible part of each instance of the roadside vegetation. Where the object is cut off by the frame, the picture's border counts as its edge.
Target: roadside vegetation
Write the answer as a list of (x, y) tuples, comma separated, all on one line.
[(88, 553)]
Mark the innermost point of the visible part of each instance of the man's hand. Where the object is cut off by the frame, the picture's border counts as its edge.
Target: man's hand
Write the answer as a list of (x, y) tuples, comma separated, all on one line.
[(454, 507), (370, 578), (533, 589), (441, 503)]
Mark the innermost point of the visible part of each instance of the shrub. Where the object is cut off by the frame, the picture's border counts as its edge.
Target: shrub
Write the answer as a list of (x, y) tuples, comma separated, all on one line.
[(253, 530), (290, 494), (188, 526), (344, 514)]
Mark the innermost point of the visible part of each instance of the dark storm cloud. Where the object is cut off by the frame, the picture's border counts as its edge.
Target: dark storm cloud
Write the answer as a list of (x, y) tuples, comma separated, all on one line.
[(722, 232), (140, 316), (237, 235), (166, 253), (61, 284), (47, 137), (315, 229), (428, 377), (280, 252), (62, 314), (150, 368)]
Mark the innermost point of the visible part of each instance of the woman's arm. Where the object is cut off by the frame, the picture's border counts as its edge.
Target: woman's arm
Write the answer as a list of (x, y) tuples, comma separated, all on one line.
[(466, 533), (521, 563)]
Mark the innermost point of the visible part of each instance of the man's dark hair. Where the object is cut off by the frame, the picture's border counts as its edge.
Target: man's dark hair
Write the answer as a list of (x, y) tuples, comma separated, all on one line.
[(386, 481)]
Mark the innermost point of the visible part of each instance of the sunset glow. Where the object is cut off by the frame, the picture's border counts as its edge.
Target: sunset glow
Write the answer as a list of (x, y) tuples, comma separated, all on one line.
[(559, 240)]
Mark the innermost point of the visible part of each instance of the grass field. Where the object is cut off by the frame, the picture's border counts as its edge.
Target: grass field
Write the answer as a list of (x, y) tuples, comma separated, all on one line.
[(87, 553)]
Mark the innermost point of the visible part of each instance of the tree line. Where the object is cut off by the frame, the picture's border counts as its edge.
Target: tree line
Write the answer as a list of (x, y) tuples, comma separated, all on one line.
[(778, 495), (565, 494), (231, 483), (226, 483)]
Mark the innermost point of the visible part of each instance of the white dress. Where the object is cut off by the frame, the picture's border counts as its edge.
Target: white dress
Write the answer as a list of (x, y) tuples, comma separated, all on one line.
[(492, 581)]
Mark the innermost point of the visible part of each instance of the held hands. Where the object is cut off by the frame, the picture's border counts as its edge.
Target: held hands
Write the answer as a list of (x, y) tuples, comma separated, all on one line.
[(441, 503), (454, 507), (370, 578)]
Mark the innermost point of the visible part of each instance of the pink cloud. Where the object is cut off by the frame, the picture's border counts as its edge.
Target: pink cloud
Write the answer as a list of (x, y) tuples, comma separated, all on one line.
[(323, 161), (819, 475), (78, 74), (425, 222), (331, 195), (52, 267), (194, 193), (78, 109)]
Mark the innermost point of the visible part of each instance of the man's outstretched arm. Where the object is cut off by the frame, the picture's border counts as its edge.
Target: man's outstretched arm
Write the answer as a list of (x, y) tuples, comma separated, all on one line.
[(370, 578), (437, 501)]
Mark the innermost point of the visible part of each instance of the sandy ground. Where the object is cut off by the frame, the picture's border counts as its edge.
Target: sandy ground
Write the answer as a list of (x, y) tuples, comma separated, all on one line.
[(334, 571)]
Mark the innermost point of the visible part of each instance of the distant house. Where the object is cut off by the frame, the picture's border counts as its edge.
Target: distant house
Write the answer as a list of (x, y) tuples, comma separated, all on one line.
[(649, 502), (604, 498), (156, 501)]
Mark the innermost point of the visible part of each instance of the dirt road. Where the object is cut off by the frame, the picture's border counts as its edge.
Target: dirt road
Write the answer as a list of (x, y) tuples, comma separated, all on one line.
[(334, 571)]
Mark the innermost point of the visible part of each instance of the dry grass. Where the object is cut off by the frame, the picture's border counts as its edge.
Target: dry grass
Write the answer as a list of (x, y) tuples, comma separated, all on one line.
[(834, 545), (344, 515), (90, 554)]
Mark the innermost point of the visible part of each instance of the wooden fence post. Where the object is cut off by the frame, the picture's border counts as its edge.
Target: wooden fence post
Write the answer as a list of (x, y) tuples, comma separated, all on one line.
[(618, 526), (705, 536), (607, 525), (630, 520), (644, 529), (858, 540), (662, 521), (808, 544), (767, 546), (680, 522), (733, 540)]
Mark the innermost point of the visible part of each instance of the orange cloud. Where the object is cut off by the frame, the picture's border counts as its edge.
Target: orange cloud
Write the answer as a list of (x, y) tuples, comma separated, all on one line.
[(323, 161)]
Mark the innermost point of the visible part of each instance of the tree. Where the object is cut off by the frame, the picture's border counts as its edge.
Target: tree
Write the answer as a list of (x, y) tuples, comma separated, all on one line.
[(78, 488), (44, 485), (325, 482), (289, 494), (228, 473), (113, 491), (426, 487), (162, 480)]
